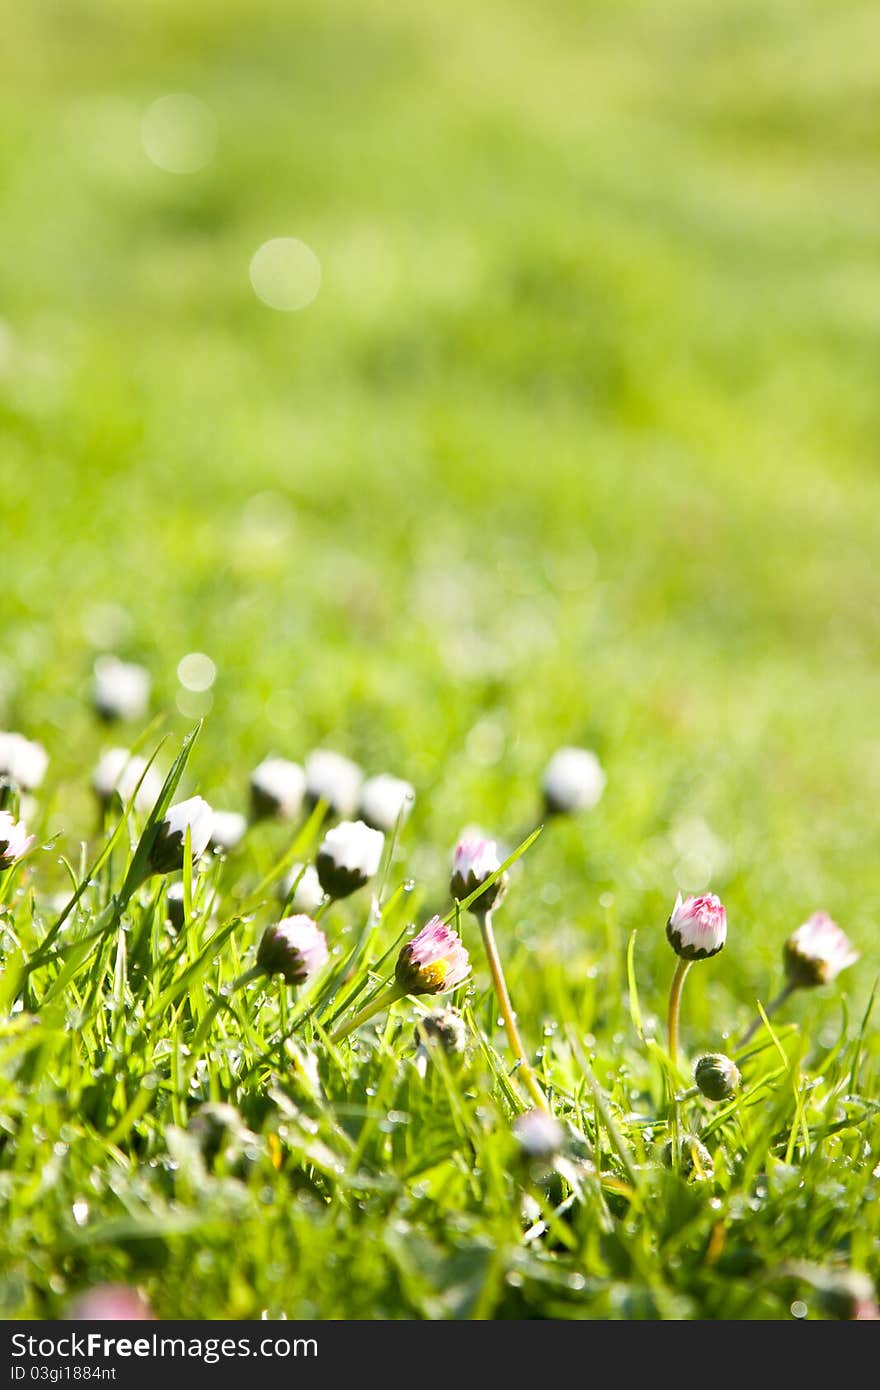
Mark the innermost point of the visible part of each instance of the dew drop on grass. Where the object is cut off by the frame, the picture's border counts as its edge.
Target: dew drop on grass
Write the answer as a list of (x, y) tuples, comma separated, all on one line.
[(799, 1309), (80, 1211)]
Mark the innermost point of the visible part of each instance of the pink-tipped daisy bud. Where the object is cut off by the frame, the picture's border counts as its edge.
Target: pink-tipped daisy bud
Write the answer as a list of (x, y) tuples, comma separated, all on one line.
[(817, 951), (14, 840), (386, 801), (110, 1303), (120, 689), (717, 1076), (348, 858), (573, 781), (22, 761), (697, 928), (445, 1027), (304, 884), (166, 852), (118, 773), (433, 961), (849, 1294), (474, 862), (277, 789), (228, 829), (295, 948), (842, 1293), (539, 1136), (333, 779)]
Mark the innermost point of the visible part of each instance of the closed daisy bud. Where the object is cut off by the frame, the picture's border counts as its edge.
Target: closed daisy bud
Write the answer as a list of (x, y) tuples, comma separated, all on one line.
[(445, 1027), (295, 948), (166, 852), (118, 773), (697, 928), (219, 1129), (539, 1135), (816, 953), (333, 779), (473, 863), (277, 789), (22, 761), (228, 829), (385, 800), (120, 689), (717, 1076), (695, 1160), (304, 884), (433, 961), (348, 858), (14, 840), (573, 781), (174, 905)]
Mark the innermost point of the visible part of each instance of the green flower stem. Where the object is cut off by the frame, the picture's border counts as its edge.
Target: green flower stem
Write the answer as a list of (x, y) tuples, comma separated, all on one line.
[(769, 1011), (246, 978), (681, 969), (387, 996), (526, 1071)]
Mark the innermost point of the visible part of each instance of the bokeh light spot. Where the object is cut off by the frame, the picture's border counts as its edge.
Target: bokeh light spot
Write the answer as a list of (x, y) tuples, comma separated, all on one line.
[(179, 133), (285, 274), (196, 671)]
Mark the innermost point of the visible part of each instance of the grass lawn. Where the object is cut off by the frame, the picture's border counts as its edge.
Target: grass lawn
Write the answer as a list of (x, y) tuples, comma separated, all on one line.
[(575, 444)]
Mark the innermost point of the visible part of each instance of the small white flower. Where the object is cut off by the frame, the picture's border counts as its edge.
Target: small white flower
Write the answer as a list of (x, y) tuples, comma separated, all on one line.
[(348, 857), (14, 839), (277, 788), (697, 927), (228, 830), (817, 951), (384, 800), (118, 772), (120, 689), (22, 761), (305, 885), (194, 815), (432, 961), (333, 779), (573, 781)]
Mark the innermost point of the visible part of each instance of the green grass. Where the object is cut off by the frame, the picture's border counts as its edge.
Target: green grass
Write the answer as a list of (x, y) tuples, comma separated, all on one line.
[(577, 443)]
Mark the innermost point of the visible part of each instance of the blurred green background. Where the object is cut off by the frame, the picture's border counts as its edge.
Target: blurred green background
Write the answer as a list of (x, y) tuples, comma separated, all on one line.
[(577, 442)]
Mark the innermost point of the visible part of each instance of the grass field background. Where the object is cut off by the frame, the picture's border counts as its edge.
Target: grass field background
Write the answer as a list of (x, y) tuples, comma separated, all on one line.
[(577, 443)]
